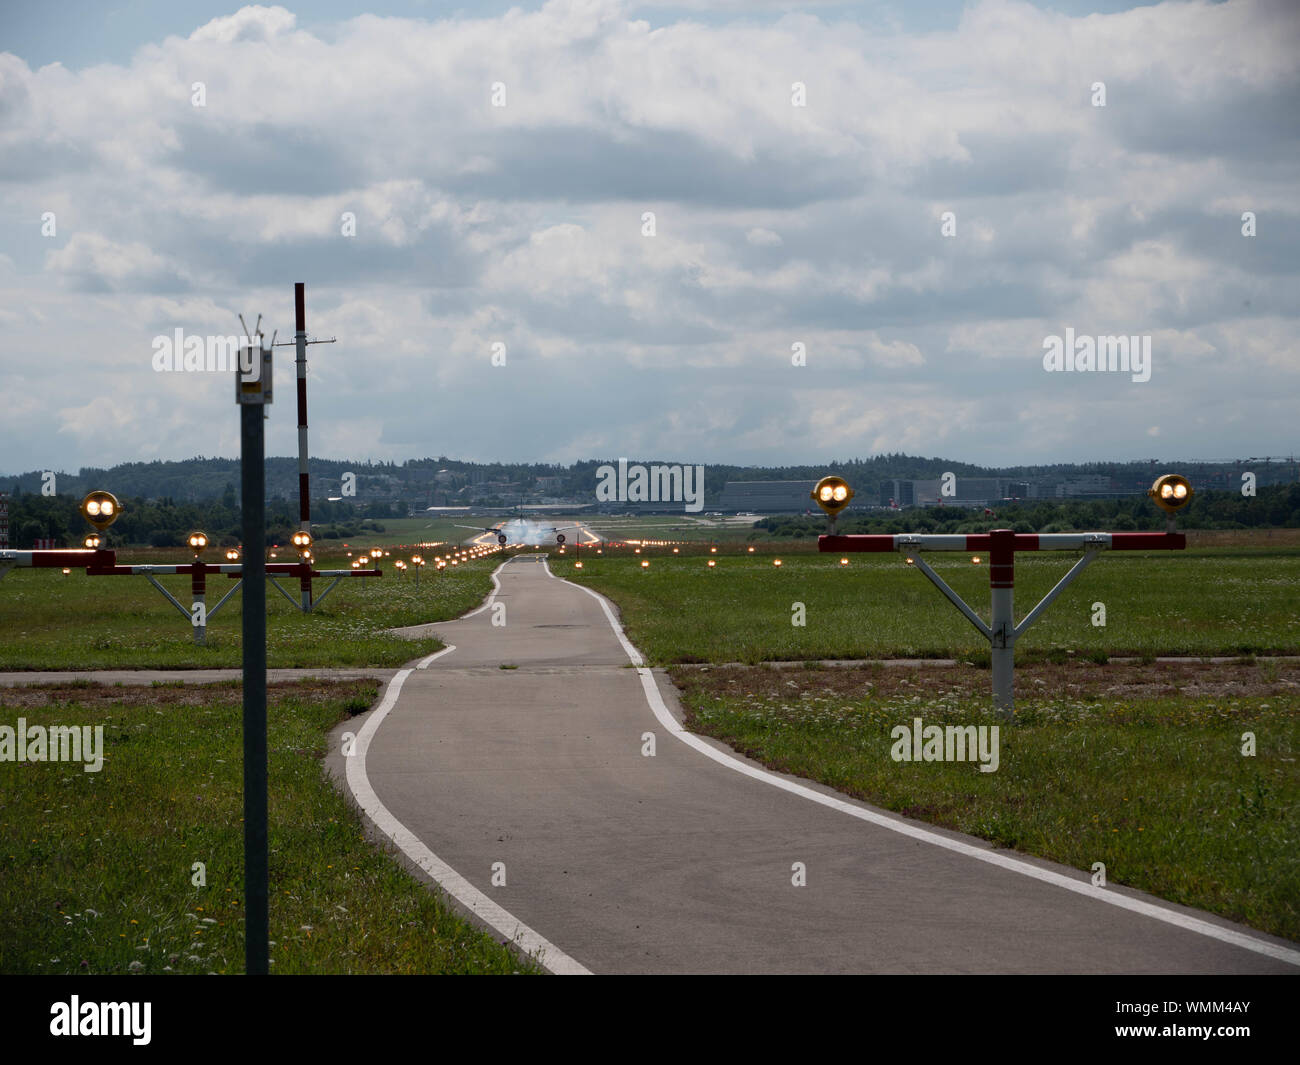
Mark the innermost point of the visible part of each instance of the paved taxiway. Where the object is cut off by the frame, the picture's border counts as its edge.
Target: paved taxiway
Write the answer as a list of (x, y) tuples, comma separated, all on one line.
[(619, 862)]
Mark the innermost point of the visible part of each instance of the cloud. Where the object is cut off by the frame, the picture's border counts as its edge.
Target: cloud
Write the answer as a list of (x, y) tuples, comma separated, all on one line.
[(774, 224)]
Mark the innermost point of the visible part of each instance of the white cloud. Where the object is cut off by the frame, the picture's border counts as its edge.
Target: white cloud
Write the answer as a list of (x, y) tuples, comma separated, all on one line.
[(774, 224)]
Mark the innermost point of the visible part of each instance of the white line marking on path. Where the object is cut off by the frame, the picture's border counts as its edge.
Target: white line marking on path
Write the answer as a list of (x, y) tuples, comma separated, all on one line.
[(1081, 887), (455, 885), (496, 587)]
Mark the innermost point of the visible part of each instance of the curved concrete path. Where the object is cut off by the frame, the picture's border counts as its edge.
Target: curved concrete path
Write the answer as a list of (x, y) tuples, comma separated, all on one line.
[(684, 862)]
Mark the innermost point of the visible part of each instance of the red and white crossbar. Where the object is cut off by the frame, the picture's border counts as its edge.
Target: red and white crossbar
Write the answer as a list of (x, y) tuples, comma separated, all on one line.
[(1001, 546)]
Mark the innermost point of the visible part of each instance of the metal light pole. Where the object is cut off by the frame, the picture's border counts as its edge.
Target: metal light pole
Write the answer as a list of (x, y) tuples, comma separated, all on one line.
[(253, 394)]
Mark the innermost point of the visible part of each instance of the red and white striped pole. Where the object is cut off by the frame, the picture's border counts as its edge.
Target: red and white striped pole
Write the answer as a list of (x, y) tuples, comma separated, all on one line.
[(199, 607), (304, 500), (1002, 583)]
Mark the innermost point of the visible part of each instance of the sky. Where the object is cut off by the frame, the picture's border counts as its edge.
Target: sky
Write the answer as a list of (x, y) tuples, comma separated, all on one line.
[(706, 232)]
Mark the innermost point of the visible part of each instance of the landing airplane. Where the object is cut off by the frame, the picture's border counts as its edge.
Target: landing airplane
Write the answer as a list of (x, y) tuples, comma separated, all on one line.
[(525, 531)]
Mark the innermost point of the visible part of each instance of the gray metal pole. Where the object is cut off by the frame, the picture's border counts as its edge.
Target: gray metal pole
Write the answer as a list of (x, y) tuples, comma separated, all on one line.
[(253, 481), (304, 500)]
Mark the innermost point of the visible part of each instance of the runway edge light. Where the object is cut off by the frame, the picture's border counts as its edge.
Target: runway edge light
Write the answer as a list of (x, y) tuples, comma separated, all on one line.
[(832, 494), (100, 509), (1171, 492)]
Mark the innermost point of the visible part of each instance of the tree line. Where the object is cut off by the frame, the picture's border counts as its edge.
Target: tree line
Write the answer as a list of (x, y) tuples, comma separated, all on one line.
[(165, 522), (1275, 506)]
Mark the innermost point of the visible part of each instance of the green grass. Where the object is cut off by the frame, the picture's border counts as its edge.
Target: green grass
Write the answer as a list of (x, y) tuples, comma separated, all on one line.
[(1155, 788), (88, 883), (1162, 603), (77, 622)]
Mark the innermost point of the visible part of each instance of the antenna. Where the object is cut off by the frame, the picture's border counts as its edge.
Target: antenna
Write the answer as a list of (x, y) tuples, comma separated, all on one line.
[(289, 343)]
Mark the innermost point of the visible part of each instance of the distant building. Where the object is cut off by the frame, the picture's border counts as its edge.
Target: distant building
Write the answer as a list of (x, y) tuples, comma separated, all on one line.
[(969, 492), (773, 497), (1088, 486)]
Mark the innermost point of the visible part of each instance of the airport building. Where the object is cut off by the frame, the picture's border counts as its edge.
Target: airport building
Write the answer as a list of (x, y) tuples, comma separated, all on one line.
[(986, 491), (774, 497)]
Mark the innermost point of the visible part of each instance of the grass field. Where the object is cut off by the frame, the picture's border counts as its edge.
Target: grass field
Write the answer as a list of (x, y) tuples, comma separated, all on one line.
[(77, 622), (1230, 601), (97, 869), (1138, 767)]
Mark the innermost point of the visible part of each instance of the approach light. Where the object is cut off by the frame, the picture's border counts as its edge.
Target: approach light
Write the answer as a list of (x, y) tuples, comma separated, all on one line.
[(975, 560), (832, 494), (712, 563), (645, 565), (197, 541), (66, 571), (356, 565), (232, 555), (302, 541), (305, 556), (909, 561), (577, 565), (100, 509), (751, 550), (714, 550), (1171, 492), (844, 562), (376, 552), (92, 540), (776, 561)]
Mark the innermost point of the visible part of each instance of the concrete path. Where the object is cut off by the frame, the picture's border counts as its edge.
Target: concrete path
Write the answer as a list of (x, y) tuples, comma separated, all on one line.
[(685, 861)]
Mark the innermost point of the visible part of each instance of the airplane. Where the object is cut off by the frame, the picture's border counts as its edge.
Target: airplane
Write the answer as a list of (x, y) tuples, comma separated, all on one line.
[(524, 531)]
